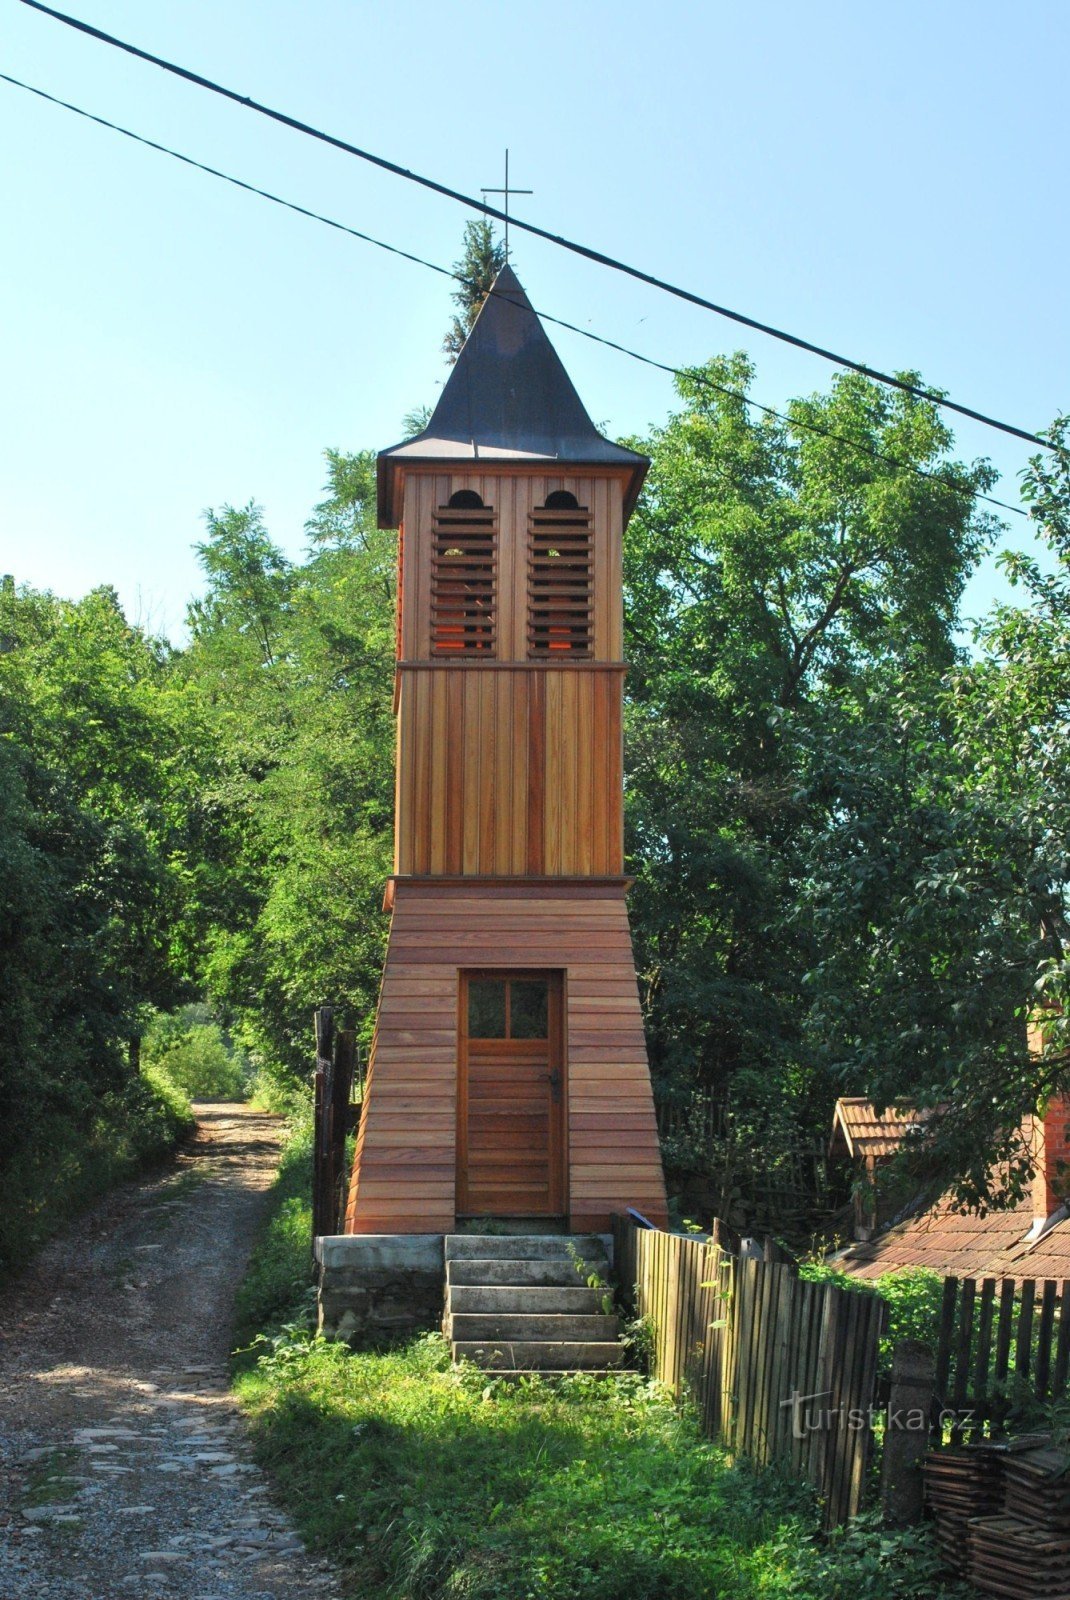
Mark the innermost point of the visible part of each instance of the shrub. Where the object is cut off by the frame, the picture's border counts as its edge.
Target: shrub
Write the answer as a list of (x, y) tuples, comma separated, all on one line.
[(79, 1155), (913, 1294), (193, 1051), (270, 1091)]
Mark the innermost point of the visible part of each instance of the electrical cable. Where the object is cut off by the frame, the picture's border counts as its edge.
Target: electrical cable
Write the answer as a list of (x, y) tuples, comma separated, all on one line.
[(586, 251), (693, 374)]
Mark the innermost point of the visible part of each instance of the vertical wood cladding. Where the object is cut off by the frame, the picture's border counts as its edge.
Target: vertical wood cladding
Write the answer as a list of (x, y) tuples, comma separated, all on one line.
[(404, 1175), (510, 772), (515, 499), (509, 711)]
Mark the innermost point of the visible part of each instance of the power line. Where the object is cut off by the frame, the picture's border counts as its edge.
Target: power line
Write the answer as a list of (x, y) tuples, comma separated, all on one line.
[(690, 373), (587, 251)]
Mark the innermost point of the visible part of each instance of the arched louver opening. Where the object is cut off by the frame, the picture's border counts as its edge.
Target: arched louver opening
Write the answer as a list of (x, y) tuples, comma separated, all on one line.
[(560, 579), (464, 577)]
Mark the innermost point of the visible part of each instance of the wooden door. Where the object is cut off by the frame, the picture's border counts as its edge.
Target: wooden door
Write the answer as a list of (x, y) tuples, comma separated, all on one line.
[(511, 1095)]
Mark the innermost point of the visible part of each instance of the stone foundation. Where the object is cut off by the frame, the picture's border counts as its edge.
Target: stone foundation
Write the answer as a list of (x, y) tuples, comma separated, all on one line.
[(374, 1285)]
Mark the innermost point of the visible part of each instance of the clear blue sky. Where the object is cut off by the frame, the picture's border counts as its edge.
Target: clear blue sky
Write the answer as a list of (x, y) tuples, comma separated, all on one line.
[(885, 180)]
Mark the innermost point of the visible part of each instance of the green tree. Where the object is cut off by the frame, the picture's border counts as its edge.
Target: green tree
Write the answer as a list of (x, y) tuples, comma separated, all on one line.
[(293, 665), (104, 742), (936, 887), (482, 259), (778, 575), (191, 1049), (95, 781)]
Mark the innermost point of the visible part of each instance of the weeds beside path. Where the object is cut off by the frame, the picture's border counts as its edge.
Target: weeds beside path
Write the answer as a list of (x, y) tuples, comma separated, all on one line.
[(124, 1465)]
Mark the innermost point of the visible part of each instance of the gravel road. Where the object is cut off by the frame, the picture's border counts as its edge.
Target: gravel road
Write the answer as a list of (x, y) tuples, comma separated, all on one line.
[(124, 1466)]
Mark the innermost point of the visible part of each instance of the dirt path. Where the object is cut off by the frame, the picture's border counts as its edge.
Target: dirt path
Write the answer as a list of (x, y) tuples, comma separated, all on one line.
[(124, 1469)]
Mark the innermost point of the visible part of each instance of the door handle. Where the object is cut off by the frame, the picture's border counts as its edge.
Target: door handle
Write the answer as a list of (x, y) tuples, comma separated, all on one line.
[(554, 1079)]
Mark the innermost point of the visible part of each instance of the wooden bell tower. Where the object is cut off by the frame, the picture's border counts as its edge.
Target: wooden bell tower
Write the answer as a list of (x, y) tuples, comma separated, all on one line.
[(509, 1076)]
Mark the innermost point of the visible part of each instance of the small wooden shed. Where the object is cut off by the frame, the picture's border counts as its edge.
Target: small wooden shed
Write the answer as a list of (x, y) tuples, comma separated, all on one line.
[(508, 1076), (870, 1141)]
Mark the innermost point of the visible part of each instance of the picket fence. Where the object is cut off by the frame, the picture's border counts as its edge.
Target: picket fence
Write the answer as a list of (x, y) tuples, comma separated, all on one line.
[(782, 1370), (1003, 1347)]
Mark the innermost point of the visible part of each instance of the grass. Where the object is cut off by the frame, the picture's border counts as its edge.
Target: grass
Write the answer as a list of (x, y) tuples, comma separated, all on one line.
[(51, 1480), (427, 1482), (277, 1283)]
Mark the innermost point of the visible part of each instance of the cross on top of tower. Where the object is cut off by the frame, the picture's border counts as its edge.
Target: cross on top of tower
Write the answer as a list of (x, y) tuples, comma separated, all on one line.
[(507, 191)]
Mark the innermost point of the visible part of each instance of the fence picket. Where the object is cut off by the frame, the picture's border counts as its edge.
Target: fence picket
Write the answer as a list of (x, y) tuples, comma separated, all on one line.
[(870, 1348), (1024, 1341), (984, 1348), (762, 1352), (849, 1307), (742, 1364), (1003, 1330), (800, 1367), (787, 1314), (1062, 1348), (947, 1329), (1044, 1333), (960, 1381)]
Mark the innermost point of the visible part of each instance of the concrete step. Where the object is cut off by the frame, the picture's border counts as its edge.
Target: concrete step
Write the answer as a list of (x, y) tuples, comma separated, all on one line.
[(539, 1355), (552, 1374), (468, 1328), (556, 1272), (525, 1246), (533, 1300)]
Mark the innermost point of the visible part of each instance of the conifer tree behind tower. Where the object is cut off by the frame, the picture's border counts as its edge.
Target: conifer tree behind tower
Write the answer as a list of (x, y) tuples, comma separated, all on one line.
[(480, 264)]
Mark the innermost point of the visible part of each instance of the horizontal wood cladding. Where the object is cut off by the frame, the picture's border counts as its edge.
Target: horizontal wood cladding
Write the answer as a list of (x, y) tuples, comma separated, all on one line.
[(511, 497), (513, 772), (405, 1174)]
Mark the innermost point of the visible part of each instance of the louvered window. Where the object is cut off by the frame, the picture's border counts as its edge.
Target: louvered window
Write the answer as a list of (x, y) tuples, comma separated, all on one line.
[(560, 579), (464, 578)]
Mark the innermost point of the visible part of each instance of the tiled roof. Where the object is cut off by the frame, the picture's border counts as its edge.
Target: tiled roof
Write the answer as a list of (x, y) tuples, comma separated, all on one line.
[(865, 1133), (966, 1245), (945, 1241), (1046, 1257)]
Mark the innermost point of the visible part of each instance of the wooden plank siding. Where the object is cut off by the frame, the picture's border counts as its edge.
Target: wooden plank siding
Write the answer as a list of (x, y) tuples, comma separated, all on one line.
[(404, 1172), (512, 494), (514, 772), (507, 765)]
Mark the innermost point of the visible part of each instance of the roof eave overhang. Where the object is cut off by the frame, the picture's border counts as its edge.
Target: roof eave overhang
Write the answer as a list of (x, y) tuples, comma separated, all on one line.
[(389, 470)]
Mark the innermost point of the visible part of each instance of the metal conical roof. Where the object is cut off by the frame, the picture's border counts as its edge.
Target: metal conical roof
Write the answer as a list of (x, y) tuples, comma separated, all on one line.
[(508, 398)]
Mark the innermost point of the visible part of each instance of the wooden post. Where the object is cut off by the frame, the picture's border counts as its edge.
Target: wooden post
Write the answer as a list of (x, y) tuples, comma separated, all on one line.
[(906, 1437), (323, 1206), (345, 1056)]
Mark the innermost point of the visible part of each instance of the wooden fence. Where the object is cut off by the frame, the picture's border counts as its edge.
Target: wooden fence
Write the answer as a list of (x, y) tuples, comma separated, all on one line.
[(336, 1063), (781, 1369), (1003, 1346)]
